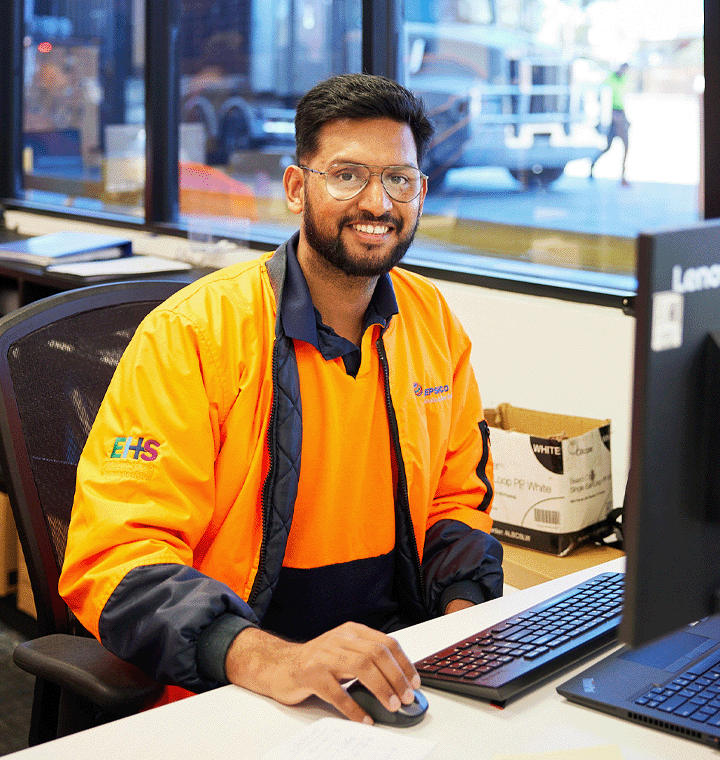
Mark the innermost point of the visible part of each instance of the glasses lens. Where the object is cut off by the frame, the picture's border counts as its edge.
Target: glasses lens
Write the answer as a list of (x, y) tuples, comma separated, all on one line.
[(401, 182), (346, 180)]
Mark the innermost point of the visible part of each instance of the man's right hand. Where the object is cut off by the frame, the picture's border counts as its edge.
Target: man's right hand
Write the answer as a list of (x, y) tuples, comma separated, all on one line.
[(289, 672)]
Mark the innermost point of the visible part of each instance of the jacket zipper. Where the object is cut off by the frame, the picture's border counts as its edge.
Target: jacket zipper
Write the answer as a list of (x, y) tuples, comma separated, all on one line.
[(264, 500), (402, 480), (482, 467)]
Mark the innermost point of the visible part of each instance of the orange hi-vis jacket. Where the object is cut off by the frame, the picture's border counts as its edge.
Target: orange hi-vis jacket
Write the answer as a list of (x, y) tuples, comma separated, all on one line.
[(187, 484)]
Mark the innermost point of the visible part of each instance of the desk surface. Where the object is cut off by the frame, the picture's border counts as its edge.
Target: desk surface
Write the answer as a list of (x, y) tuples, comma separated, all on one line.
[(527, 567), (236, 724)]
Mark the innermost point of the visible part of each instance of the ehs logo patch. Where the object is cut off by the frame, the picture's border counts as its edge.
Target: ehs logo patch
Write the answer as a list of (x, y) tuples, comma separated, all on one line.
[(125, 448)]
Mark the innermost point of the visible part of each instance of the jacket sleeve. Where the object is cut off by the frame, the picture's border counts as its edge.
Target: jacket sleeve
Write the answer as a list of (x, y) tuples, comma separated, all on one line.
[(461, 563), (175, 624), (461, 559), (144, 499)]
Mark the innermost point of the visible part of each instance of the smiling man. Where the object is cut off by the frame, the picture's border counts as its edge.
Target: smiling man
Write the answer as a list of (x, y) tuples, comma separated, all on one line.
[(322, 474)]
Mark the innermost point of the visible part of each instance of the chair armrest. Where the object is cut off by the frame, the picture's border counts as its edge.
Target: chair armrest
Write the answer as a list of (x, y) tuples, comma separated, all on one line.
[(83, 666)]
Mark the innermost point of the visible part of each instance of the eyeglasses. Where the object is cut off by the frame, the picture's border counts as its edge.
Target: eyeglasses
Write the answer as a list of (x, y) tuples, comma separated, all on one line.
[(345, 181)]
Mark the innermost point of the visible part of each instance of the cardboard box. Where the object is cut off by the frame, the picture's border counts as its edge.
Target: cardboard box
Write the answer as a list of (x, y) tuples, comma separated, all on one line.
[(553, 481), (8, 547)]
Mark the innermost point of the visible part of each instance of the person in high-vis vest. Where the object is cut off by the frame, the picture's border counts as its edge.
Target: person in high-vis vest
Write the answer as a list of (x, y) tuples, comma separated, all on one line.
[(619, 124), (291, 461)]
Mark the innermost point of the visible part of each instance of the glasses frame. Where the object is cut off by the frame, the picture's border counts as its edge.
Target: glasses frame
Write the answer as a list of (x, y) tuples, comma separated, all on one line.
[(372, 174)]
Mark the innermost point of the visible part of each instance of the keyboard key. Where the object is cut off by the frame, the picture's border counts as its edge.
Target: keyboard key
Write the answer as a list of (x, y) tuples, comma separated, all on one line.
[(672, 704), (699, 716), (558, 642), (536, 653), (458, 672)]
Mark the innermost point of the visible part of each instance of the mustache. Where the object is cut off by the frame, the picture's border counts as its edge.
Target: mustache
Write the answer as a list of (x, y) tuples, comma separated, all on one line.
[(366, 218)]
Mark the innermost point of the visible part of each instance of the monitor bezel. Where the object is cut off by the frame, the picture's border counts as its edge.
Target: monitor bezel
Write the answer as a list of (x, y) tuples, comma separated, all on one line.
[(671, 526)]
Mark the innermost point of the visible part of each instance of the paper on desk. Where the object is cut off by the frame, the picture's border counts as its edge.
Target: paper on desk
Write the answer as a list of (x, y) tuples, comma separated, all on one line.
[(606, 752), (339, 739), (123, 266)]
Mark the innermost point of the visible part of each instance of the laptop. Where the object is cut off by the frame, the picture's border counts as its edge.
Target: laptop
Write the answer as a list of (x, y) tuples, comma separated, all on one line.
[(672, 684)]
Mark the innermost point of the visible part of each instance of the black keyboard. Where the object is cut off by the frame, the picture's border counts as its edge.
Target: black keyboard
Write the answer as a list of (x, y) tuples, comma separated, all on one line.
[(516, 654)]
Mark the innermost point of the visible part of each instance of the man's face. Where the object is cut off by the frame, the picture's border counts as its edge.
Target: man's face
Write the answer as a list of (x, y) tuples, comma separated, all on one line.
[(367, 235)]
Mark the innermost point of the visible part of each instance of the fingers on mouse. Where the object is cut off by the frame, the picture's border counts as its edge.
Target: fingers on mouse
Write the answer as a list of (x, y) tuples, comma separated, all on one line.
[(406, 715)]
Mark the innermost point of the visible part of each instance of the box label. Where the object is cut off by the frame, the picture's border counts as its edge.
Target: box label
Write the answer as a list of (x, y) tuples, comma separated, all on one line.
[(545, 487)]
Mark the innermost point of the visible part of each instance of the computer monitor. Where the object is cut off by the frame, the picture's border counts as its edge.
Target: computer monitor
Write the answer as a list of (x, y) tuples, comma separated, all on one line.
[(672, 517)]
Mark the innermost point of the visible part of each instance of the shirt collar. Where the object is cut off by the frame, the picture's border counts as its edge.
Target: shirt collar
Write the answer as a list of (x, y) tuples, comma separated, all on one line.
[(298, 313)]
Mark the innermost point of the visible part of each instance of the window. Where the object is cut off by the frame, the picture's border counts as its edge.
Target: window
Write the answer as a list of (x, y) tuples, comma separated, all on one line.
[(244, 66), (83, 131), (523, 107)]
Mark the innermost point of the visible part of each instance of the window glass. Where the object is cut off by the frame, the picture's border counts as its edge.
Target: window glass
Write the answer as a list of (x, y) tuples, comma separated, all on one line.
[(525, 96), (244, 66), (83, 109)]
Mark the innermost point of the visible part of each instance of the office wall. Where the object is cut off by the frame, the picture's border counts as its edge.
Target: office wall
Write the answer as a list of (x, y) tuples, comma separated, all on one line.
[(554, 356)]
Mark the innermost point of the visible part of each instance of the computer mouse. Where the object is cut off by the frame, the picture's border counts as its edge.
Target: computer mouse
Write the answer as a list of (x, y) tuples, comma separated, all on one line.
[(407, 715)]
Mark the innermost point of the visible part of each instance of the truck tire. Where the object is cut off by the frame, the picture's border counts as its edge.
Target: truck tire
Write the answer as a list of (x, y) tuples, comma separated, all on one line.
[(532, 179)]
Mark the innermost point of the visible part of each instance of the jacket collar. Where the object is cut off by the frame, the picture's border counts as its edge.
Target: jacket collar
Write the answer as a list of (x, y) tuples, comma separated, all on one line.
[(295, 309)]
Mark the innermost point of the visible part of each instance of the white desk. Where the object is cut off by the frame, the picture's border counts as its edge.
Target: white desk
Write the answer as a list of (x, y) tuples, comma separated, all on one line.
[(233, 724)]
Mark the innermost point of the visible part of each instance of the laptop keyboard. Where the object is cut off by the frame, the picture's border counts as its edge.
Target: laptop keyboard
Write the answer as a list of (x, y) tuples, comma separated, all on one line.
[(515, 654), (695, 694)]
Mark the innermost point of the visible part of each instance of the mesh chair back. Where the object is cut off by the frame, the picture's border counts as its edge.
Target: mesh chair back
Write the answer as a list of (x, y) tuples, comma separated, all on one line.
[(57, 357)]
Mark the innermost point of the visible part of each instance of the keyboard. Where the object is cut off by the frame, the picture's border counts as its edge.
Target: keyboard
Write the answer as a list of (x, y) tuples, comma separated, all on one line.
[(516, 654), (694, 694)]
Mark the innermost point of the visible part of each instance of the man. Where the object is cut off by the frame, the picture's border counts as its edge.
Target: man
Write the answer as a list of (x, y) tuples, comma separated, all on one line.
[(291, 461), (619, 126)]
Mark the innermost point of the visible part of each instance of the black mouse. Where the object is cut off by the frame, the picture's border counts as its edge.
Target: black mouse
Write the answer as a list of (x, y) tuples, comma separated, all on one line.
[(407, 715)]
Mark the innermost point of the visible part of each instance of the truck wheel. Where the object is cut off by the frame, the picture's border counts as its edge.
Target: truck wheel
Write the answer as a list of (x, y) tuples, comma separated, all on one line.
[(235, 133), (543, 178)]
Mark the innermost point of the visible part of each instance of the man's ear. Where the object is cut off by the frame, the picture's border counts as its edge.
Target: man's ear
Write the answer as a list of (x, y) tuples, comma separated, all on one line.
[(294, 182)]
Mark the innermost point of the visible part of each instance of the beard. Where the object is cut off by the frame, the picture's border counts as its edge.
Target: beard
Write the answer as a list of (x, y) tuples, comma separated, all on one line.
[(331, 247)]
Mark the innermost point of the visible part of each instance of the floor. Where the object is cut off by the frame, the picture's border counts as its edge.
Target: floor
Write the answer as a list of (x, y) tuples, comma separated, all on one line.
[(16, 686)]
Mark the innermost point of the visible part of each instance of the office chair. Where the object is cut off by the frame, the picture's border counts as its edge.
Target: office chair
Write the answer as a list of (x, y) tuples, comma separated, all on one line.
[(57, 357)]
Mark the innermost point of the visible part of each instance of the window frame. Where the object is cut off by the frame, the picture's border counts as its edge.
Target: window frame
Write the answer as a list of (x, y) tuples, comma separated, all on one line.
[(381, 54)]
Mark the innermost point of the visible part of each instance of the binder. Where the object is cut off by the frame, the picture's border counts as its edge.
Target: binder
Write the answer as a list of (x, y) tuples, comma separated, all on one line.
[(65, 247)]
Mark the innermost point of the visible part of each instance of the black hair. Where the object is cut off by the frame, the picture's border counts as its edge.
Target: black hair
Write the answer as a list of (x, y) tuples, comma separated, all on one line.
[(358, 96)]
